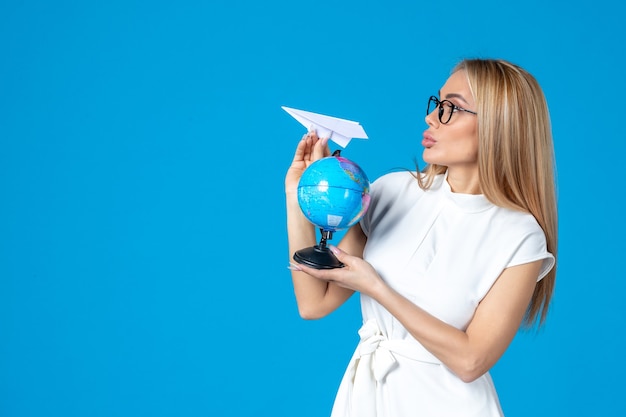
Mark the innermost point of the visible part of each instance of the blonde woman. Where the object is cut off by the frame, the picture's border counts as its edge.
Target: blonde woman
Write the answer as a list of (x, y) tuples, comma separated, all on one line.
[(450, 261)]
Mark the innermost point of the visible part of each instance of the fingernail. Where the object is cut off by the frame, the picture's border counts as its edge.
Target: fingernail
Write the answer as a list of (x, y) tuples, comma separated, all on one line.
[(334, 250), (294, 267)]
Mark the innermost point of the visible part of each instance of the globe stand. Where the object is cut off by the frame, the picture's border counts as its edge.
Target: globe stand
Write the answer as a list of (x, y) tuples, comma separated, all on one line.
[(319, 256)]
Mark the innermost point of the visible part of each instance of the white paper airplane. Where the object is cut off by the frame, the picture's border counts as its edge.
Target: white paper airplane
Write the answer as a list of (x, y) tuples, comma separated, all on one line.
[(340, 131)]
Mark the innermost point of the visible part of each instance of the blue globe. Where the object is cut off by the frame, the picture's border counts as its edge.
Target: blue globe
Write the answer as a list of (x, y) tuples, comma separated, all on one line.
[(333, 193)]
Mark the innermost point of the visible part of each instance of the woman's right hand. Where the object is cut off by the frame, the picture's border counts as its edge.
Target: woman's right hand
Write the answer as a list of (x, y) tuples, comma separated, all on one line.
[(310, 149)]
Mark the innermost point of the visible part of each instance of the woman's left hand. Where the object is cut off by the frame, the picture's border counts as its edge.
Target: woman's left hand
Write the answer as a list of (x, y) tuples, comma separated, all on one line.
[(357, 274)]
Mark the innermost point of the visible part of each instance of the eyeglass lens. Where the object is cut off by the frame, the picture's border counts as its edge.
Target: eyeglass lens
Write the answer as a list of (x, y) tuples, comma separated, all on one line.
[(434, 103)]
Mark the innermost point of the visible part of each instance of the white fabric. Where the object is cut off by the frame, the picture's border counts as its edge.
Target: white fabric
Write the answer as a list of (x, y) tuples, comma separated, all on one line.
[(443, 251)]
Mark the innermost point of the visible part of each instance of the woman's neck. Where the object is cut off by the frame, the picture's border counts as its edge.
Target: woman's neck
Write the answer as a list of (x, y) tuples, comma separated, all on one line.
[(464, 181)]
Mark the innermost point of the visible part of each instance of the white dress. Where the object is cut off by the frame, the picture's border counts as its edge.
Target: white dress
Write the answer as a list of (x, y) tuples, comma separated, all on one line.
[(443, 251)]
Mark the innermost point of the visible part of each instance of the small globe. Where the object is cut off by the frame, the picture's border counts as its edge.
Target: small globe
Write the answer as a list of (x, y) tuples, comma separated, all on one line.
[(333, 193)]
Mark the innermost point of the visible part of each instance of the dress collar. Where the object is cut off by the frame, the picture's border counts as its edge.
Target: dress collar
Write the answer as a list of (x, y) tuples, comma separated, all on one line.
[(470, 203)]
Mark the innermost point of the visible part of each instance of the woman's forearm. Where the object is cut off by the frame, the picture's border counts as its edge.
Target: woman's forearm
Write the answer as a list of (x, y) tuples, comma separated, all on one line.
[(447, 343), (301, 233), (472, 352)]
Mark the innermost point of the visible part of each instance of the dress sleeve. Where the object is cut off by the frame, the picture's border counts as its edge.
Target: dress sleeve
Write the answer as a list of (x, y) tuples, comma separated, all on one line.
[(384, 191), (366, 220), (533, 248)]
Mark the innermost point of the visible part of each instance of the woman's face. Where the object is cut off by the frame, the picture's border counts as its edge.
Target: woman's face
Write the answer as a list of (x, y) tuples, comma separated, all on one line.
[(456, 142)]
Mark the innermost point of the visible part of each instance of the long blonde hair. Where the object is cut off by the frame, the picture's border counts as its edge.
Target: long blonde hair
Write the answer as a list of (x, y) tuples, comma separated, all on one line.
[(516, 164)]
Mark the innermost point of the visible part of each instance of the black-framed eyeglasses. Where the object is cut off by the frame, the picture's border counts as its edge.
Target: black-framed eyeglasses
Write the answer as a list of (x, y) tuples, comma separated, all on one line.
[(446, 109)]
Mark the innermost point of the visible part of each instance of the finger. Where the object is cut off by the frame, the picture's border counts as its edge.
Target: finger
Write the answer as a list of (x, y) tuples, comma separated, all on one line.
[(314, 272), (310, 139), (300, 150), (293, 266), (342, 256), (308, 147), (321, 149), (304, 150)]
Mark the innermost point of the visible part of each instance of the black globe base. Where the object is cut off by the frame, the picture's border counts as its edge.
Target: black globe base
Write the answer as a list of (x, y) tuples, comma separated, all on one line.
[(318, 257)]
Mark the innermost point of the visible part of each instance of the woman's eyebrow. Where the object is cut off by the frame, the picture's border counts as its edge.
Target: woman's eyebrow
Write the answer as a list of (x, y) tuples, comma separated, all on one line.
[(454, 95)]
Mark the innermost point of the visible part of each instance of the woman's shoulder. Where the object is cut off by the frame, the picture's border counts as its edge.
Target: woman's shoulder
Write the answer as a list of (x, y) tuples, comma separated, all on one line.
[(395, 191), (516, 217), (396, 180), (402, 182)]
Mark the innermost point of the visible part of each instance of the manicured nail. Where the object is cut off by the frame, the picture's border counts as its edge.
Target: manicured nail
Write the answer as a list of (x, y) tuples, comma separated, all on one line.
[(294, 267), (334, 250)]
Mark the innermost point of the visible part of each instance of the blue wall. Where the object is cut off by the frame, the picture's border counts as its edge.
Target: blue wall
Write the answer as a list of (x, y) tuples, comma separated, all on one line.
[(142, 235)]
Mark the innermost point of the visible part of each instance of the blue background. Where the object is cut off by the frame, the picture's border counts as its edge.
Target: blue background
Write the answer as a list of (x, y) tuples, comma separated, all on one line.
[(142, 234)]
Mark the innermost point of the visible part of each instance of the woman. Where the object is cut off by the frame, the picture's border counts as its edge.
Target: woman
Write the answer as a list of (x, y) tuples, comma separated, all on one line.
[(450, 261)]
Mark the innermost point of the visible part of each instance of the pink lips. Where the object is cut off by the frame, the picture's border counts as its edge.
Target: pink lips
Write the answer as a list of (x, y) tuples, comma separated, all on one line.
[(428, 141)]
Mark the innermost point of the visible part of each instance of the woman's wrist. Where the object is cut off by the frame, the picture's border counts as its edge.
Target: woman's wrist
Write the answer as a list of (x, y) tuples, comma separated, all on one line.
[(381, 292)]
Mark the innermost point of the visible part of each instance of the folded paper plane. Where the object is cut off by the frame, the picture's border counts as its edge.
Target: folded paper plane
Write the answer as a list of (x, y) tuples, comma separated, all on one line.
[(340, 131)]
